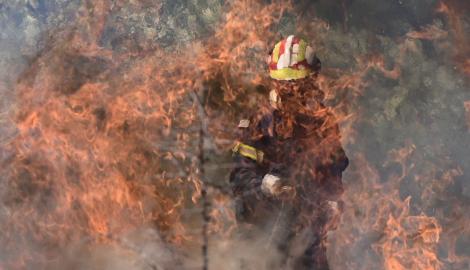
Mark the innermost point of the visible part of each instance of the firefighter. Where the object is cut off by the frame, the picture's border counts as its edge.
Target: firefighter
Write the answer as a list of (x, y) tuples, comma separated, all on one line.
[(289, 161)]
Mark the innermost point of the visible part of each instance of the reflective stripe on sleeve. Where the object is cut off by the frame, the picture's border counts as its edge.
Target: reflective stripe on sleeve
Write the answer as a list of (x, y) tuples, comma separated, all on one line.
[(248, 151)]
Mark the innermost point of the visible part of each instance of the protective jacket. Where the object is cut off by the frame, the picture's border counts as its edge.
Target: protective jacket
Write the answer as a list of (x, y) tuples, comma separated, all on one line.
[(299, 141)]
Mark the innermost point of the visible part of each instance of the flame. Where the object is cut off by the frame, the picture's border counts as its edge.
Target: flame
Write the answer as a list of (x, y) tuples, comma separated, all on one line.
[(107, 143), (455, 11), (430, 32), (102, 150)]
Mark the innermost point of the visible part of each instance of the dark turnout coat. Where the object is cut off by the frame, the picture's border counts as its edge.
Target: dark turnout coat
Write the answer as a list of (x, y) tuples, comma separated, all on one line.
[(301, 144)]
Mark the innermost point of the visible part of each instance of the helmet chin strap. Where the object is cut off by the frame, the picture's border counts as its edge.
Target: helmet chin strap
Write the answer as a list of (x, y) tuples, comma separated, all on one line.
[(274, 99)]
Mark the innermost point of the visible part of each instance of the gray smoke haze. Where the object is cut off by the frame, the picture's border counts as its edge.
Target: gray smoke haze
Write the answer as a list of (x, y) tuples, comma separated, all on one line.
[(422, 110)]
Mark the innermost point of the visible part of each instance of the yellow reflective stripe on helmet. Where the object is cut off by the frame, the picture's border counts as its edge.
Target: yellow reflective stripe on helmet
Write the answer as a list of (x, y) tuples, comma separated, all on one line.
[(276, 52), (289, 73), (248, 151), (302, 49)]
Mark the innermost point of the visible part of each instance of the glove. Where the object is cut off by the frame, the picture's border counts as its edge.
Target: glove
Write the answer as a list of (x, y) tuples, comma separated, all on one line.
[(272, 186)]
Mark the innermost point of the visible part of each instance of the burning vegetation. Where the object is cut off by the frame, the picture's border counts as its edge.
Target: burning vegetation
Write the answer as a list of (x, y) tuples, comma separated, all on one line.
[(120, 150)]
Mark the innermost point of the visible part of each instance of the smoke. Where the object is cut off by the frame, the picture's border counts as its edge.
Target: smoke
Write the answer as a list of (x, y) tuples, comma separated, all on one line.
[(247, 250), (266, 247), (142, 249), (98, 124)]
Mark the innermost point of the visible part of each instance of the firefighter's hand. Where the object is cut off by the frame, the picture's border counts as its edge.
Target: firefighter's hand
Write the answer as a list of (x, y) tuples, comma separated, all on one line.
[(272, 186)]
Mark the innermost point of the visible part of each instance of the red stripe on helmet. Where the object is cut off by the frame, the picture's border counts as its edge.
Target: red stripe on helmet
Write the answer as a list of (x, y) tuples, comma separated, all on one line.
[(272, 66), (301, 63), (282, 48), (295, 40)]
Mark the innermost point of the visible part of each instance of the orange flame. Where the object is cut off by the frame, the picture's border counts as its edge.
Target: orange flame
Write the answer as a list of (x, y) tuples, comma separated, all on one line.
[(107, 143)]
